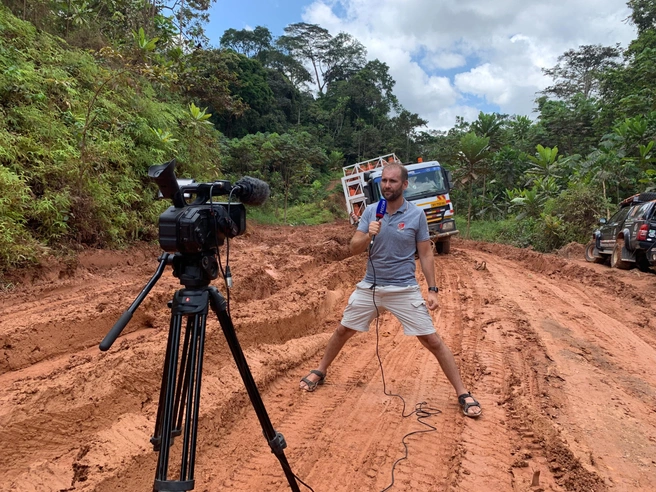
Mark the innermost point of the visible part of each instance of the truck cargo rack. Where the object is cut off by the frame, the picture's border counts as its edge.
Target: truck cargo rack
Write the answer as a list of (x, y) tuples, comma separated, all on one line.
[(353, 183)]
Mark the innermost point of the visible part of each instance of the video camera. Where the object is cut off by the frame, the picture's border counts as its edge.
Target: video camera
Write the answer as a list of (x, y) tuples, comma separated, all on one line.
[(202, 225)]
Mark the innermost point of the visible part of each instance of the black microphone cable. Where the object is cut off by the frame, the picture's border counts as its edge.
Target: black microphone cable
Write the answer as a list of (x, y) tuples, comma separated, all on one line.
[(421, 411), (227, 278)]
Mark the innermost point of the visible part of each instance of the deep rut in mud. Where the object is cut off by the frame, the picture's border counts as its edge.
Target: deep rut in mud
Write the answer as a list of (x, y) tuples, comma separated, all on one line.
[(560, 353)]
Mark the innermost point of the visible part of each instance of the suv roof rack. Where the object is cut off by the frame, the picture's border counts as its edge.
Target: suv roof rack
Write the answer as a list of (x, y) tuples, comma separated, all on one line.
[(637, 198), (630, 200)]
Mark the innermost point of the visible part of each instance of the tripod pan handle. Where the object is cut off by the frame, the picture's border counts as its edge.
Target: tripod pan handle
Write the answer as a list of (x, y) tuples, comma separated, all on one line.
[(116, 330)]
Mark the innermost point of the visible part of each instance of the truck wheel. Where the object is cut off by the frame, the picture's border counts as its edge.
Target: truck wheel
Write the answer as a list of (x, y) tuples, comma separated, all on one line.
[(589, 254), (446, 247), (616, 258), (642, 262), (443, 247)]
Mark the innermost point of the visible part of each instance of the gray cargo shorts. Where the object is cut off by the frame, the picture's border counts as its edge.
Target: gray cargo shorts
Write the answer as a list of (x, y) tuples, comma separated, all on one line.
[(404, 302)]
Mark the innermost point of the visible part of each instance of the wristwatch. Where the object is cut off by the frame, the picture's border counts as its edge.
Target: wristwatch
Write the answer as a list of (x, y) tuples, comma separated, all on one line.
[(433, 289)]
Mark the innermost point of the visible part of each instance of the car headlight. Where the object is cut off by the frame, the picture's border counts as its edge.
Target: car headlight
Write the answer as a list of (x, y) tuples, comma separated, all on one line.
[(448, 226)]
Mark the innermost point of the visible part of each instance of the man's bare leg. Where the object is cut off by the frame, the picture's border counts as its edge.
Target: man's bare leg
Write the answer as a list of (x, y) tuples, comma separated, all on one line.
[(339, 337), (447, 362)]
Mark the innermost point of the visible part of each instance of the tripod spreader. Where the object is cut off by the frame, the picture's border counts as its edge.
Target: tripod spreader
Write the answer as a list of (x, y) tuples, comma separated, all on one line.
[(110, 338)]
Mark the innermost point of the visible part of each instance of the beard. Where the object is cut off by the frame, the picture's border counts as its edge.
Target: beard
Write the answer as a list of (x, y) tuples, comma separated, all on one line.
[(392, 195)]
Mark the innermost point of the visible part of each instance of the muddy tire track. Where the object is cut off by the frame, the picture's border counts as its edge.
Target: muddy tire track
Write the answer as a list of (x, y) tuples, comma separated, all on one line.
[(560, 353)]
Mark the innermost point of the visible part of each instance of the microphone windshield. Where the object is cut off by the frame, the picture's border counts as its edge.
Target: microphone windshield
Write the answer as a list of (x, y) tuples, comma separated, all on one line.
[(382, 207), (251, 191)]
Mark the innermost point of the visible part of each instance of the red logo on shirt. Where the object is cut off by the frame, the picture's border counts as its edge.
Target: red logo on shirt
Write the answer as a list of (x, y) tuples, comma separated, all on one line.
[(401, 226)]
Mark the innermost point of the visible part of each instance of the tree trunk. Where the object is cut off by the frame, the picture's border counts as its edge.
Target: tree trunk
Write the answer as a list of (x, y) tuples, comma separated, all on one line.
[(469, 204), (68, 20), (316, 73), (407, 147)]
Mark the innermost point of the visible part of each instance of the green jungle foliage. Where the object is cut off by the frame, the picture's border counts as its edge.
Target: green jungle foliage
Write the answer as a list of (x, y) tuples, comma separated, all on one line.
[(93, 93), (76, 140)]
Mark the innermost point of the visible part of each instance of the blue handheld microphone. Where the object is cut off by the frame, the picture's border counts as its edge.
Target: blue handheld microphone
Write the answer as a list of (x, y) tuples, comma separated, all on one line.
[(380, 213)]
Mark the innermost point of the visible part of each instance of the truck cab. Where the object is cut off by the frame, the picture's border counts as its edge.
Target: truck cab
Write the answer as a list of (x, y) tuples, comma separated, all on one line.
[(428, 188), (429, 185)]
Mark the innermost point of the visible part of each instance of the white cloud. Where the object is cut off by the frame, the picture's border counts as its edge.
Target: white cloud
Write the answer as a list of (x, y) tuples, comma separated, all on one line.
[(443, 54), (443, 60)]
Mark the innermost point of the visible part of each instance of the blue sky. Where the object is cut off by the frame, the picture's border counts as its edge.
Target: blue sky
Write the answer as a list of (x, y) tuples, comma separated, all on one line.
[(274, 14), (450, 57)]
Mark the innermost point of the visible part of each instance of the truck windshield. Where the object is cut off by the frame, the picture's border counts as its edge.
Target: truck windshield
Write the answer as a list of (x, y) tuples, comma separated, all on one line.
[(425, 182), (422, 183)]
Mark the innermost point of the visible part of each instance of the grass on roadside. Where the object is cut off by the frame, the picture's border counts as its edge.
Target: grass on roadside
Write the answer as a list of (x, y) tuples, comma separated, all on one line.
[(305, 214), (507, 231)]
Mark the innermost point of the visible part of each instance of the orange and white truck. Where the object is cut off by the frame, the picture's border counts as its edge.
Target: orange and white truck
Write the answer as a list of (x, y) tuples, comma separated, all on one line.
[(429, 185)]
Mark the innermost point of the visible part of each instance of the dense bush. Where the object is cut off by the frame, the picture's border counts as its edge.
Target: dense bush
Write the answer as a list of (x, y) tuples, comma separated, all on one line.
[(76, 141)]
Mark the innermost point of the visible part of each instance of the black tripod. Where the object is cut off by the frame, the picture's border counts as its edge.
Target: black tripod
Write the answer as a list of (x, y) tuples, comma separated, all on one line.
[(179, 398)]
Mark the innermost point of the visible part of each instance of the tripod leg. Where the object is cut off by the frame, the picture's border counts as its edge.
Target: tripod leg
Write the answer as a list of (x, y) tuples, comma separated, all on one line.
[(194, 379), (174, 330), (275, 439), (179, 404), (164, 422), (183, 380)]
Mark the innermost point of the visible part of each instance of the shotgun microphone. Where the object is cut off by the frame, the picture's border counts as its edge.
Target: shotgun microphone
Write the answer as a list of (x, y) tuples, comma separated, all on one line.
[(380, 213), (251, 191)]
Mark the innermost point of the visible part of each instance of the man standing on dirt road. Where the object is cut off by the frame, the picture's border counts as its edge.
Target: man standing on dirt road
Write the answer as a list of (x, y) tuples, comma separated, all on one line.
[(391, 282)]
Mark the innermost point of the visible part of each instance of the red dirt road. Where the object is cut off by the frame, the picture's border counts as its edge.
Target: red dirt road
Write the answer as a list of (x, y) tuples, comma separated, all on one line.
[(560, 353)]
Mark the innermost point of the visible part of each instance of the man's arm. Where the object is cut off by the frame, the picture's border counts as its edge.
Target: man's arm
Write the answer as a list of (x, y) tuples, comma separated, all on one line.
[(360, 240), (427, 263)]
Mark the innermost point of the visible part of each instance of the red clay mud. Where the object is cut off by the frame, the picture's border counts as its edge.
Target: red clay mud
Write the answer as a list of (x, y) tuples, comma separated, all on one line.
[(560, 353)]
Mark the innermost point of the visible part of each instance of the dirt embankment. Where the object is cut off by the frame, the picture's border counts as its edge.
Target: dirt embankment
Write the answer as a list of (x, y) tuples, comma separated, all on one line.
[(560, 353)]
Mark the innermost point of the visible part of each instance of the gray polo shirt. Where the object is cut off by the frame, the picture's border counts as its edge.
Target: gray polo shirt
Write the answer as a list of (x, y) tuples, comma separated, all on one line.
[(393, 252)]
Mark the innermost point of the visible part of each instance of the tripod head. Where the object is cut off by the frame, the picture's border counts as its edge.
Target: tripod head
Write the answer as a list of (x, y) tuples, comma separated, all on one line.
[(195, 270)]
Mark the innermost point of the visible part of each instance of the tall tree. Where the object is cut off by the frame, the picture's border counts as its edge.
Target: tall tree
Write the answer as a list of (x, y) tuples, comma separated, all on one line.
[(290, 67), (578, 71), (254, 43), (490, 125), (573, 125), (331, 58), (405, 127), (344, 57), (96, 23), (521, 133), (250, 87), (629, 90), (189, 17), (643, 15), (307, 43), (208, 78), (473, 151), (358, 109)]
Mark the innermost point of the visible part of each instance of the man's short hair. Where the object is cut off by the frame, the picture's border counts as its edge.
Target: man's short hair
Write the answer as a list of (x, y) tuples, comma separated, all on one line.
[(401, 167)]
